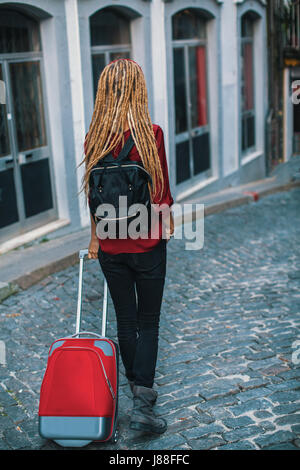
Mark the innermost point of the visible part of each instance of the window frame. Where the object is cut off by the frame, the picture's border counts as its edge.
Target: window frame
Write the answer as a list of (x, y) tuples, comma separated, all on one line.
[(244, 114), (108, 49), (188, 134)]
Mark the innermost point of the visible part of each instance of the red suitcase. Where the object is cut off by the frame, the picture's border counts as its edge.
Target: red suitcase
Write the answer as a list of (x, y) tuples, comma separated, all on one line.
[(79, 392)]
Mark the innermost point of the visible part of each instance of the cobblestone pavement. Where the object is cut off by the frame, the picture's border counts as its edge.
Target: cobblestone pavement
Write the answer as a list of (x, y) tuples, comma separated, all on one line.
[(227, 372)]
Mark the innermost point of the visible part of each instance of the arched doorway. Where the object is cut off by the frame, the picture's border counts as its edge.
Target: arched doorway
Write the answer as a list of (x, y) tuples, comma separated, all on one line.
[(26, 189), (110, 39), (192, 127)]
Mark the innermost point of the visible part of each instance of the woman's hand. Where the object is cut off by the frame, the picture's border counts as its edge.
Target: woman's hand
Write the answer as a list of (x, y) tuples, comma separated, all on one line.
[(94, 243), (93, 248), (169, 226)]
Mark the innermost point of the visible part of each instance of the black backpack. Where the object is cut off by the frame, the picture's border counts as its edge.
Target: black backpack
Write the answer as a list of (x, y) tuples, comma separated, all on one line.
[(114, 177)]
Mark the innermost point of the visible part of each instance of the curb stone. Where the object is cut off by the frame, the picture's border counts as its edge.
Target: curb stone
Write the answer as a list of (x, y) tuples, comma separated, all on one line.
[(7, 289)]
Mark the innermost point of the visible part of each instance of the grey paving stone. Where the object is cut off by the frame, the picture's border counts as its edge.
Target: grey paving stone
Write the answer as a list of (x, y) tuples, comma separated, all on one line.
[(275, 438), (226, 401), (251, 405), (296, 429), (267, 425), (235, 423), (286, 408), (288, 419), (241, 445), (202, 430), (206, 443), (204, 417), (262, 414), (218, 413), (4, 445), (285, 385), (164, 443), (16, 439), (242, 433), (181, 424), (172, 404), (284, 397), (290, 374), (285, 446), (253, 393), (253, 383)]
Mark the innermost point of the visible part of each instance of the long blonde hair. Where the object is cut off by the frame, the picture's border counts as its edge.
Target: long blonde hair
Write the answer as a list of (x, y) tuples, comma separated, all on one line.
[(122, 93)]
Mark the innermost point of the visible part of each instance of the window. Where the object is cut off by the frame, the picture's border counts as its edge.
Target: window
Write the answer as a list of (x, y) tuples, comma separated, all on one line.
[(110, 40), (247, 83), (18, 33), (190, 91), (26, 184)]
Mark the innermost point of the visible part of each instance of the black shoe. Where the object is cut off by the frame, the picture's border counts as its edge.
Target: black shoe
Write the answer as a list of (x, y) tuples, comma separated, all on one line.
[(143, 417)]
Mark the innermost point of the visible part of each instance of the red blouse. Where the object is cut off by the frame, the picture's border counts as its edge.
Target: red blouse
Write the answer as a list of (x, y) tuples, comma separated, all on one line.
[(129, 245)]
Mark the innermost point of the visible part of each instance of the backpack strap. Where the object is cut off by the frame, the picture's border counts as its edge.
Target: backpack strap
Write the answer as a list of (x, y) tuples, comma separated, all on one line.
[(124, 152)]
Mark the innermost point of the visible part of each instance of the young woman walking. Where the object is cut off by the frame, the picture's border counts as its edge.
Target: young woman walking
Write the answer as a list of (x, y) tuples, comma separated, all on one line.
[(135, 269)]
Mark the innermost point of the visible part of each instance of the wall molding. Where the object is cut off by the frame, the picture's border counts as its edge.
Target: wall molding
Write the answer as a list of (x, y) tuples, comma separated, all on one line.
[(170, 1), (262, 2)]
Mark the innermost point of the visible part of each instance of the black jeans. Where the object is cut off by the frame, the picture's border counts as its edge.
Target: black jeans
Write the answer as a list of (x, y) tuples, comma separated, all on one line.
[(136, 283)]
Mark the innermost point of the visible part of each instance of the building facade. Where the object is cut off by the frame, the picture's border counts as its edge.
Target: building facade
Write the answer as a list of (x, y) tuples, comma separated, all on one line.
[(205, 64), (283, 25)]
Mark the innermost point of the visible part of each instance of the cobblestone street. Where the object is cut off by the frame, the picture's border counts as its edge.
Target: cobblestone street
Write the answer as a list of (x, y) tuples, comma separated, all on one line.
[(227, 372)]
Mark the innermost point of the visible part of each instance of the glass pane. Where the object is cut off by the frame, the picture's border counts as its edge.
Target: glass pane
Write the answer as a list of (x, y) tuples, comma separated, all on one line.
[(36, 187), (197, 71), (244, 133), (28, 104), (18, 32), (201, 153), (119, 55), (98, 64), (8, 199), (180, 90), (4, 140), (296, 142), (109, 27), (182, 162), (250, 131), (247, 26), (187, 24), (247, 76)]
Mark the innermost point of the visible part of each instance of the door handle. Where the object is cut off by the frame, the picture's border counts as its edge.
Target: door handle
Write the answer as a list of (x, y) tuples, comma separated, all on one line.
[(9, 160)]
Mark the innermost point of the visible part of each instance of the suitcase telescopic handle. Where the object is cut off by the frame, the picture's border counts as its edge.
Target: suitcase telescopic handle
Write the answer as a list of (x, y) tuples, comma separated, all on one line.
[(82, 254), (85, 333)]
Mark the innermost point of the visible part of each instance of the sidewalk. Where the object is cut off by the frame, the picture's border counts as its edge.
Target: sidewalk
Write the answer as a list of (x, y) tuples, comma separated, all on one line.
[(23, 267)]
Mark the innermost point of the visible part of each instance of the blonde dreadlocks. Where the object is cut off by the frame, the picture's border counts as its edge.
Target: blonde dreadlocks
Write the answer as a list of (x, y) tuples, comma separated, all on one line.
[(122, 93)]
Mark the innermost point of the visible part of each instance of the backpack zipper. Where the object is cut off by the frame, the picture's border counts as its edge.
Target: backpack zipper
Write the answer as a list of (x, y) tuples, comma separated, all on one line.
[(115, 166)]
